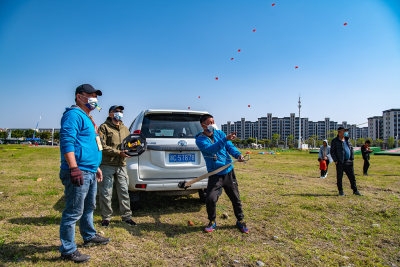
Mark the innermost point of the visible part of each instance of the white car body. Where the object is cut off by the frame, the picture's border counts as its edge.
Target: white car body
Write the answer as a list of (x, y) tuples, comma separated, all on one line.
[(153, 169)]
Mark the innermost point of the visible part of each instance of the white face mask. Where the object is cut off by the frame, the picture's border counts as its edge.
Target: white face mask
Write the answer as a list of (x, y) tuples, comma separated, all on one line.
[(91, 102), (212, 127), (118, 115)]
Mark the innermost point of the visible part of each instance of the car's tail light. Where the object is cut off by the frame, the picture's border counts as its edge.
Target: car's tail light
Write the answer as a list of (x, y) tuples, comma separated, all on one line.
[(142, 186), (136, 132)]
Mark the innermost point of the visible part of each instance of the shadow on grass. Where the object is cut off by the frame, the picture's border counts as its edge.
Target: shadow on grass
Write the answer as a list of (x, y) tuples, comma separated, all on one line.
[(170, 230), (311, 195), (38, 221), (19, 252)]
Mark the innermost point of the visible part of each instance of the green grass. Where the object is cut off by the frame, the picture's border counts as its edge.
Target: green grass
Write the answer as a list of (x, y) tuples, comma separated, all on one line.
[(294, 217)]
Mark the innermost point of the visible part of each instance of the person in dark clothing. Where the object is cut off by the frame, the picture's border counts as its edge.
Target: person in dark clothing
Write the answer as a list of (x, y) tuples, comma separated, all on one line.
[(365, 151), (343, 156)]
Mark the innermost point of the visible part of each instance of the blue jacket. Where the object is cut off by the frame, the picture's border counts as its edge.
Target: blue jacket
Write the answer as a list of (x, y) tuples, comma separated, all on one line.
[(78, 135), (216, 152)]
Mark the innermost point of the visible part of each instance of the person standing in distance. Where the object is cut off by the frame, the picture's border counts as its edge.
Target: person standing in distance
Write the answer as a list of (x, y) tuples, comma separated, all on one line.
[(365, 151), (343, 156)]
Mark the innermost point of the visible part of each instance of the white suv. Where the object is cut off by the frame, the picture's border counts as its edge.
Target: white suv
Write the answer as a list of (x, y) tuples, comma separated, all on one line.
[(171, 154)]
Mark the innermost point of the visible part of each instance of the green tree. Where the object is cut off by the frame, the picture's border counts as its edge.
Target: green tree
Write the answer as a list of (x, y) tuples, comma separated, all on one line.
[(3, 135), (45, 135), (250, 140), (56, 136), (378, 142), (275, 139), (290, 140), (267, 142), (390, 142), (28, 133), (360, 141), (17, 133)]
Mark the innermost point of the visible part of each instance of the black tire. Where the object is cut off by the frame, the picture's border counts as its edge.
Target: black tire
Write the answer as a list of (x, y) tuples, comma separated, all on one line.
[(135, 199)]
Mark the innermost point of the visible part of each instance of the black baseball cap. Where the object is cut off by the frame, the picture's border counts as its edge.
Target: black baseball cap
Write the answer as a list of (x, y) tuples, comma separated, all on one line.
[(115, 107), (87, 88), (342, 128)]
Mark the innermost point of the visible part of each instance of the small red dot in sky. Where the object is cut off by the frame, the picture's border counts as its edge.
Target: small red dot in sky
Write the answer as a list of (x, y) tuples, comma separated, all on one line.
[(238, 50), (188, 107), (248, 105), (273, 4), (296, 67), (216, 78), (345, 24), (199, 96), (232, 58), (254, 30)]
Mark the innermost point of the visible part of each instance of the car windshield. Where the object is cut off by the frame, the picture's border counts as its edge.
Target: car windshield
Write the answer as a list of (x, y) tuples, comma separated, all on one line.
[(171, 125)]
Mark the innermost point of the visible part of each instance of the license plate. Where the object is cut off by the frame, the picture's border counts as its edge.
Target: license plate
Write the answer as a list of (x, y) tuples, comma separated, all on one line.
[(187, 157)]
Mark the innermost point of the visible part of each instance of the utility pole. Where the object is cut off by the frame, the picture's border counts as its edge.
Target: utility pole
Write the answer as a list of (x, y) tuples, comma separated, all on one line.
[(299, 106)]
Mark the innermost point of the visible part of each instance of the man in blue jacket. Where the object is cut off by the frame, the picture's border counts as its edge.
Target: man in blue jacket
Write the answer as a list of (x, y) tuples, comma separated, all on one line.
[(81, 155), (216, 148)]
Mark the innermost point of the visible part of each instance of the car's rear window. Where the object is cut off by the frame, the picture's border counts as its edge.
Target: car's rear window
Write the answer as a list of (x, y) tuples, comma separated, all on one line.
[(171, 125)]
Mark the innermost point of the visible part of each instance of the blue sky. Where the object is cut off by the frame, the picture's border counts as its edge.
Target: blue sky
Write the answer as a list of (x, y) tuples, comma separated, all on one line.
[(164, 54)]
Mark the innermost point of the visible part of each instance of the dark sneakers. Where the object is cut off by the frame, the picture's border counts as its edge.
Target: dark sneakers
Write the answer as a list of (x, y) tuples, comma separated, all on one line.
[(105, 223), (96, 240), (131, 222), (357, 193), (242, 227), (341, 193), (76, 257)]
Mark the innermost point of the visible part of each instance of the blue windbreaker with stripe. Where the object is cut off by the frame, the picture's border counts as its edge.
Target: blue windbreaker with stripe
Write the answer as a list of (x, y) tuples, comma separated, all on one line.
[(217, 151)]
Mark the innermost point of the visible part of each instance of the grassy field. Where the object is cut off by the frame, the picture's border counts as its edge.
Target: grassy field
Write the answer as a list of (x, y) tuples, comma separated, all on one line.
[(295, 218)]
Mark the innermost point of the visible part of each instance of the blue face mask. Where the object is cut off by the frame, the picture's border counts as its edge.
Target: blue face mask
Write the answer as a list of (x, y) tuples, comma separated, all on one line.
[(346, 134)]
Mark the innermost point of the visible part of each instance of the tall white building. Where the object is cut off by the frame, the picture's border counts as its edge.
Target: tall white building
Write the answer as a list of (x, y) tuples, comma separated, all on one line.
[(391, 123)]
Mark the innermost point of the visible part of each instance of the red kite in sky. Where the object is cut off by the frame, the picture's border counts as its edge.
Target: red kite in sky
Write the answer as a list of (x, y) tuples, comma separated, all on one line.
[(345, 24), (273, 4), (216, 78), (232, 58), (254, 30), (296, 67), (238, 50)]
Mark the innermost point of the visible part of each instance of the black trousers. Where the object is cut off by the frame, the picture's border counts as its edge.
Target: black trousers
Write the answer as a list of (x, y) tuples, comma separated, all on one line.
[(366, 166), (348, 168), (229, 183), (323, 172)]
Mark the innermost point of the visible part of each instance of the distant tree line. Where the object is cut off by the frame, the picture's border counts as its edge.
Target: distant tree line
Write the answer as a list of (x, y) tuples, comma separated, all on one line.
[(29, 134), (313, 141)]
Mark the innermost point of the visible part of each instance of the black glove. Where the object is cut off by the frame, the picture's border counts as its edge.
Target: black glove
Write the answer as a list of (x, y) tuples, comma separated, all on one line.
[(76, 176)]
